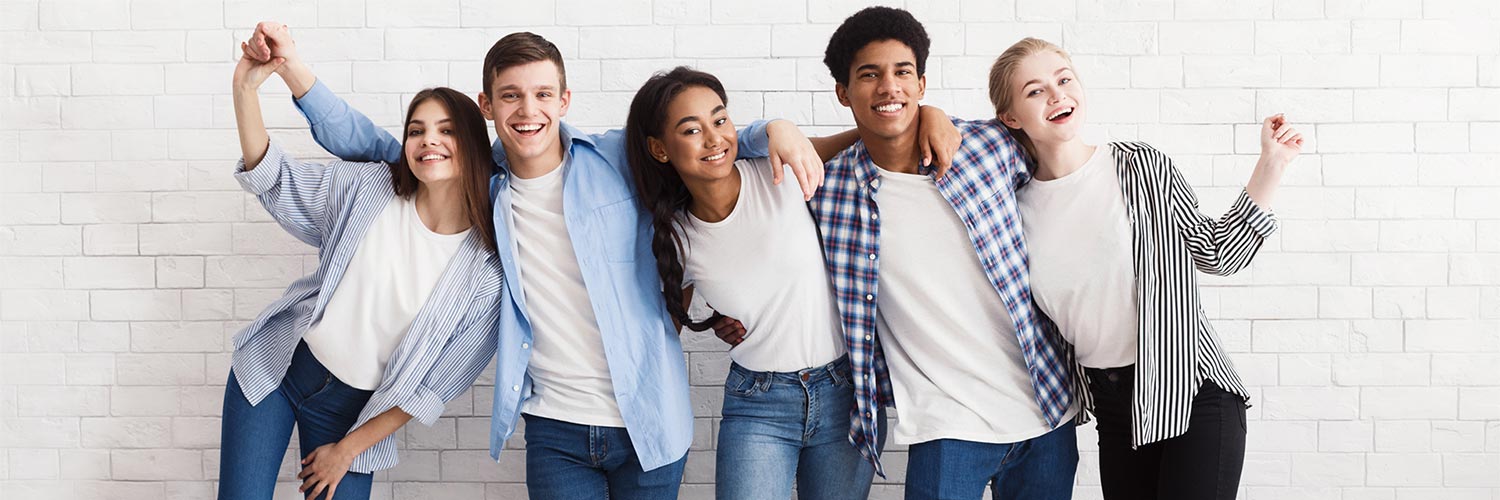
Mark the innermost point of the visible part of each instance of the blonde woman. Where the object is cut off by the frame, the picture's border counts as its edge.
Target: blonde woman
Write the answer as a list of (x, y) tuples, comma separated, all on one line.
[(1116, 240)]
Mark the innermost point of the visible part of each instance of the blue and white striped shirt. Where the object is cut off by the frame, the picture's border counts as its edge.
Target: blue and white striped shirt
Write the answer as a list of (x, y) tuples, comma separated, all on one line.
[(449, 342)]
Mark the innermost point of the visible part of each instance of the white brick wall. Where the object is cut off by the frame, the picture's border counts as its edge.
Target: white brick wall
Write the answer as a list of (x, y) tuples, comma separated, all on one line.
[(1369, 328)]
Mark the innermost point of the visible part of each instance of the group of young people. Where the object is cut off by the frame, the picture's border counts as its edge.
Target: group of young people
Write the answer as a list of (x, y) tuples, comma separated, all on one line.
[(994, 280)]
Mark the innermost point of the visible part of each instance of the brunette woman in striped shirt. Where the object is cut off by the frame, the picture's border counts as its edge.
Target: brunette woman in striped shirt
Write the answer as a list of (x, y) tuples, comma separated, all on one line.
[(1116, 240)]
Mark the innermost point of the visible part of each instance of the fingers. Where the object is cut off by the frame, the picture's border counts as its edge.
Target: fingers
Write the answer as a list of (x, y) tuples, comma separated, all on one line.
[(1282, 132), (800, 169), (776, 168), (1296, 139), (926, 147), (322, 485), (944, 160)]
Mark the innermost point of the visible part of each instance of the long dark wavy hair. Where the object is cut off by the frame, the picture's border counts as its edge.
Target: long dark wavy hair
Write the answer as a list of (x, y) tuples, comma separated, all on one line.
[(472, 152), (660, 189)]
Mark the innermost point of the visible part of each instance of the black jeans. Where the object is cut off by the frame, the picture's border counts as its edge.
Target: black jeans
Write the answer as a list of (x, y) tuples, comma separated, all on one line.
[(1204, 463)]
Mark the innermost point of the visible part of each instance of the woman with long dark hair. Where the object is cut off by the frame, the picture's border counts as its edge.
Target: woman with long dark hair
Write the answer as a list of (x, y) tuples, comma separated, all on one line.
[(750, 249), (398, 318)]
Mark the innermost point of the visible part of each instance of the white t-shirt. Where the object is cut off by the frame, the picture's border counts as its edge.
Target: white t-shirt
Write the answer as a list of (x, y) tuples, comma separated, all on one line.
[(1082, 272), (569, 372), (951, 347), (388, 280), (763, 265)]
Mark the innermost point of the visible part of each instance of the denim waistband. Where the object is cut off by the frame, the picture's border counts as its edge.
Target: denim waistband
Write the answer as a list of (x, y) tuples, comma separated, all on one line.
[(837, 369)]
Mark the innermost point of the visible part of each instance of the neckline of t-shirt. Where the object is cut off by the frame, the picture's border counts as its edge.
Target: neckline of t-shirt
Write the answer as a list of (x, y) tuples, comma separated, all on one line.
[(544, 181), (745, 167), (410, 206), (1101, 153)]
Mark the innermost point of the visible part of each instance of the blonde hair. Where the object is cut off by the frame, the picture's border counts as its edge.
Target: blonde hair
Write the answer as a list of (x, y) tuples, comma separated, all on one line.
[(1002, 79)]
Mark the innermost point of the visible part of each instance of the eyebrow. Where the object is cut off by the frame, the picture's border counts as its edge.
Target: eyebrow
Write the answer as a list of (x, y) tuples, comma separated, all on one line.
[(686, 119), (902, 64), (518, 87), (415, 121), (1054, 73)]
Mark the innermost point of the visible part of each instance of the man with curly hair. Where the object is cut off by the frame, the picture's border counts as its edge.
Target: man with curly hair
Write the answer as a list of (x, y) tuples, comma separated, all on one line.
[(930, 274)]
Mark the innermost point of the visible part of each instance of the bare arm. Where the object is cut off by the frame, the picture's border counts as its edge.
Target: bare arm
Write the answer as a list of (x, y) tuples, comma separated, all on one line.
[(254, 140), (327, 465), (1279, 145)]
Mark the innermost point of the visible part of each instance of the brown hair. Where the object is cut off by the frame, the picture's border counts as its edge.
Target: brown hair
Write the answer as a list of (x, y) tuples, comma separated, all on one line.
[(519, 48), (1002, 76), (471, 152)]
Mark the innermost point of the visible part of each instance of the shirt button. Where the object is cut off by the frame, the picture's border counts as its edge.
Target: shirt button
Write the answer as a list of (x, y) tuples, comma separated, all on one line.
[(869, 296), (525, 345), (516, 388), (872, 256), (867, 415), (874, 216), (867, 337)]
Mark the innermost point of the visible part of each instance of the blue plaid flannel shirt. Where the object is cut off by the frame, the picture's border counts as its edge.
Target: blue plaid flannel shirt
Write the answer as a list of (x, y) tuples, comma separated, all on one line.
[(981, 187)]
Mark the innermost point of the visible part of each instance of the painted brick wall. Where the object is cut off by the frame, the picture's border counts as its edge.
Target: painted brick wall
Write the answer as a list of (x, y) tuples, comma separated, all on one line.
[(1368, 329)]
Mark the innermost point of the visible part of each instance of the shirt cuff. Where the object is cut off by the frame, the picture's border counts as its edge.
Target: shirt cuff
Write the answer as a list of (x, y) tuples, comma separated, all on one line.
[(317, 103), (1261, 220), (423, 405), (265, 174)]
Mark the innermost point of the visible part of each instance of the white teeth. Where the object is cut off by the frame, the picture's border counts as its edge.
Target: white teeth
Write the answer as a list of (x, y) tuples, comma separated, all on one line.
[(431, 156), (888, 108), (716, 157), (530, 127), (1060, 112)]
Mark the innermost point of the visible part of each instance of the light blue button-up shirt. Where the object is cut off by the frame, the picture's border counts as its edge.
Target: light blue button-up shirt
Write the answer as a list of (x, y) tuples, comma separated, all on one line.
[(611, 236)]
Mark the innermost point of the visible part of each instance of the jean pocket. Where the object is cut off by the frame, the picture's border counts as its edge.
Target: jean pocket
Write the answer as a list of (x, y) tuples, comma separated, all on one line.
[(737, 384)]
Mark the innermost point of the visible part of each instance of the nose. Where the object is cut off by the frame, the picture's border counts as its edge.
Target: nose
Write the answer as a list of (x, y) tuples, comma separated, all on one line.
[(889, 85)]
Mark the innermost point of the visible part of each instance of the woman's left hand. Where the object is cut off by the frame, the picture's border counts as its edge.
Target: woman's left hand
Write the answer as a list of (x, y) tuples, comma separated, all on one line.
[(789, 147), (1279, 142), (323, 469)]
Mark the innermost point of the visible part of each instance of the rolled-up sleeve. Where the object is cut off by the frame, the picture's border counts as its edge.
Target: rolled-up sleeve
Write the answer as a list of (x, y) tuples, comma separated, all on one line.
[(466, 354), (294, 192), (1220, 246)]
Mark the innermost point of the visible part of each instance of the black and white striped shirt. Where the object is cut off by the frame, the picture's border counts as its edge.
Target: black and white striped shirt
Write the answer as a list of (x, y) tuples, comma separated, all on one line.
[(1171, 240)]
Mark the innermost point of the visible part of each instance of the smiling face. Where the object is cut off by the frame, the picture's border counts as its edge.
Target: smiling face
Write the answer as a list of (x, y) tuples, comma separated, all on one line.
[(884, 90), (697, 137), (1047, 101), (527, 103), (430, 146)]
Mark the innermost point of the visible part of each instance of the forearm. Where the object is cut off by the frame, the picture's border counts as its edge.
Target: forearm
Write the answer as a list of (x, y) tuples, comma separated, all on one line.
[(830, 146), (1264, 181), (298, 76), (373, 431), (254, 140)]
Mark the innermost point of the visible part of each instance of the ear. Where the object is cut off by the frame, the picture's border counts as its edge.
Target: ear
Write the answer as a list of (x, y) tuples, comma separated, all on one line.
[(657, 149), (567, 98), (1010, 120), (921, 87), (484, 106), (843, 92)]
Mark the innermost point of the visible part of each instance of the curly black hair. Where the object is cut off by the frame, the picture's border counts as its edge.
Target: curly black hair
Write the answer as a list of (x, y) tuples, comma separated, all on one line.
[(874, 24)]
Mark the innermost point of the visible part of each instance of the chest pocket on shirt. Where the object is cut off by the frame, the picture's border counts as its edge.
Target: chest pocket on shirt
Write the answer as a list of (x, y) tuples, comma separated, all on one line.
[(620, 224)]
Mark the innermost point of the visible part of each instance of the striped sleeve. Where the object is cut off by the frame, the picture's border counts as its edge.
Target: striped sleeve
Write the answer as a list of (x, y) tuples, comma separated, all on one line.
[(466, 354), (294, 192), (1222, 246)]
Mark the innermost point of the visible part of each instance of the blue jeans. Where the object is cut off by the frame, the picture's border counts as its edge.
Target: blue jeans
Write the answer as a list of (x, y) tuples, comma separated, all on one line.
[(781, 427), (1040, 468), (255, 438), (568, 461)]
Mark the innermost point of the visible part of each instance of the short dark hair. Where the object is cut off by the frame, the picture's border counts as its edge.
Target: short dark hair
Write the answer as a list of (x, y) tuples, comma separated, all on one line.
[(874, 24), (522, 47)]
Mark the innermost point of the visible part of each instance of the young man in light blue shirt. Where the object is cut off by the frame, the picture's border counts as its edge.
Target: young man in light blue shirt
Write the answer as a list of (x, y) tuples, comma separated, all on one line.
[(586, 350)]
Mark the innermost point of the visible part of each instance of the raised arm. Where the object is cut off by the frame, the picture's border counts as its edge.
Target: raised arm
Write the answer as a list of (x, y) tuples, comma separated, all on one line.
[(249, 74), (337, 127)]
